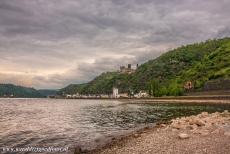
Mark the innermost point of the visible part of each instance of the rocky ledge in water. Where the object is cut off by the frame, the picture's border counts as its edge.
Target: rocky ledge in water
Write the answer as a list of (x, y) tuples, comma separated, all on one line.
[(201, 134)]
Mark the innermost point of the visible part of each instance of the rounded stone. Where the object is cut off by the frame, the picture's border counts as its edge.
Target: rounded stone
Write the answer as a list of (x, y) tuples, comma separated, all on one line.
[(183, 136)]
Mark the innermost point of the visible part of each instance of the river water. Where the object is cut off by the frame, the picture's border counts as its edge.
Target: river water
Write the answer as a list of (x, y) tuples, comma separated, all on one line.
[(87, 123)]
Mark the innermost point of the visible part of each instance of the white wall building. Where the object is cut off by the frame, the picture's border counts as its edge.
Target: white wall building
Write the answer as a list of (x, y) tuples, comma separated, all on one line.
[(115, 92)]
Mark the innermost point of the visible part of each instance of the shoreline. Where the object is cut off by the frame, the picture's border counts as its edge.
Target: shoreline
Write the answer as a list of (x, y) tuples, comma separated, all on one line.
[(203, 131), (214, 99), (180, 100)]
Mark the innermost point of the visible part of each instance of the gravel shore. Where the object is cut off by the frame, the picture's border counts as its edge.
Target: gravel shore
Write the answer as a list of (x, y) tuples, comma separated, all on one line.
[(201, 134)]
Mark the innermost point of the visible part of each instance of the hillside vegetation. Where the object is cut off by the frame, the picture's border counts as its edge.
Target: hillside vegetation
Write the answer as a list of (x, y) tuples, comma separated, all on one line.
[(201, 63), (10, 90)]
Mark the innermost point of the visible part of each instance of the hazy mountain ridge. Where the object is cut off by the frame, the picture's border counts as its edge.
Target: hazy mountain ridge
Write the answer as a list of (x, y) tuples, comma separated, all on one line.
[(48, 92), (10, 90)]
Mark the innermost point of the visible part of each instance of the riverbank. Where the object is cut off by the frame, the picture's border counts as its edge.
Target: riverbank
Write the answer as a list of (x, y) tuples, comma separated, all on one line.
[(210, 99), (179, 100), (204, 133), (214, 99)]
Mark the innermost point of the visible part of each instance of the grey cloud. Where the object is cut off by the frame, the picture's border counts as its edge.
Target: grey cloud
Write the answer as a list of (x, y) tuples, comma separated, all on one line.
[(58, 42), (225, 32)]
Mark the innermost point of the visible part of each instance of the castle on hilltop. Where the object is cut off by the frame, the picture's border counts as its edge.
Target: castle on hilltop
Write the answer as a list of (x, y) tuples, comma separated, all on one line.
[(128, 69)]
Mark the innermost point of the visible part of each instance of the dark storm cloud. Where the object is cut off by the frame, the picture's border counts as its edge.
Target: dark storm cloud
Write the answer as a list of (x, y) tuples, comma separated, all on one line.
[(56, 42)]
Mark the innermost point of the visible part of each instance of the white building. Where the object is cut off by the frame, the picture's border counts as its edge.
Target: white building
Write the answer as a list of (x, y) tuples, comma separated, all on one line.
[(68, 96), (123, 95), (115, 92), (141, 94)]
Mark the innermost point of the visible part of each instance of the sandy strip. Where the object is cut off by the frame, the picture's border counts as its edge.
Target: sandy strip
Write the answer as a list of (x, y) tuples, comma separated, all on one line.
[(210, 99), (192, 100)]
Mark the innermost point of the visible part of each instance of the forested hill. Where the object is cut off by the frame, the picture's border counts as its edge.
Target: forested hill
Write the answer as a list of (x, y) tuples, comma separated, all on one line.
[(10, 90), (205, 64)]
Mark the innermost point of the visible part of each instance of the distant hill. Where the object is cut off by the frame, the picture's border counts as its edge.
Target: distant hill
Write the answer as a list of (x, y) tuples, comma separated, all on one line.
[(47, 92), (10, 90), (202, 64)]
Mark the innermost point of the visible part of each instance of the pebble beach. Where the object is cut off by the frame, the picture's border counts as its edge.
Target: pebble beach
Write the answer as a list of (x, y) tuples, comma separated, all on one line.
[(201, 134)]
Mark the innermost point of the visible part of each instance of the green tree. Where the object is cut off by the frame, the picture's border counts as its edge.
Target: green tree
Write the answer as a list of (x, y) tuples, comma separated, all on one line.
[(174, 89), (154, 88)]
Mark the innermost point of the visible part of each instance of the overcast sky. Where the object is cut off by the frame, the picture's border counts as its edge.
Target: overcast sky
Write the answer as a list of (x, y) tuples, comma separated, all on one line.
[(52, 43)]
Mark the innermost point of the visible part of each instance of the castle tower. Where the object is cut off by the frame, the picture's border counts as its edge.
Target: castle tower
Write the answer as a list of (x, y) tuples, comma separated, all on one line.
[(129, 66)]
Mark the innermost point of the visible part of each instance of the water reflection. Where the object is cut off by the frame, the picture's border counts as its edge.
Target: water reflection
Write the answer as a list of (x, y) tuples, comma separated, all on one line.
[(132, 115), (67, 123)]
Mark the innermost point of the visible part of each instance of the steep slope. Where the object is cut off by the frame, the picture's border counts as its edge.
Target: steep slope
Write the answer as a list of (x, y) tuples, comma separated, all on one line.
[(10, 90), (215, 66), (171, 64), (200, 63)]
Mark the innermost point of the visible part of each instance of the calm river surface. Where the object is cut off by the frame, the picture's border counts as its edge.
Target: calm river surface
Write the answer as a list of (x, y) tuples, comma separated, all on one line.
[(68, 123)]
